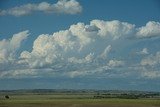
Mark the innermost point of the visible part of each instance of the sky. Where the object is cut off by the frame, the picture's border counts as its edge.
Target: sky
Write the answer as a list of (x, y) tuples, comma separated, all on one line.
[(80, 44)]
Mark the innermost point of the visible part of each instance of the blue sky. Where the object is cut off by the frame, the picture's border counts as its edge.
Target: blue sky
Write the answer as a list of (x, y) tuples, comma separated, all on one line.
[(80, 44)]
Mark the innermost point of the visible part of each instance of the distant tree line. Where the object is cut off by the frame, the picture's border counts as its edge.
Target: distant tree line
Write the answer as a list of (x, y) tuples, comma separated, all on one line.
[(125, 95)]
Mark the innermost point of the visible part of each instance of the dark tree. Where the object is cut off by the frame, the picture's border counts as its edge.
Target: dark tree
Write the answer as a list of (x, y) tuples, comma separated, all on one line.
[(6, 96)]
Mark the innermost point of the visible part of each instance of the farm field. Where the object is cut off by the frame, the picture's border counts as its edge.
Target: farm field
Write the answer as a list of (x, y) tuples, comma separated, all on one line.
[(71, 100)]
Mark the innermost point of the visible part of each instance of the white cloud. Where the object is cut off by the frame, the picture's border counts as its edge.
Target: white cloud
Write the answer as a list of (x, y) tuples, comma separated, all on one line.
[(67, 7), (115, 28), (151, 74), (115, 63), (9, 47), (144, 51), (87, 59), (18, 73), (147, 72), (78, 51), (105, 52), (152, 29), (61, 7), (2, 12), (91, 71), (79, 44), (151, 60), (73, 74)]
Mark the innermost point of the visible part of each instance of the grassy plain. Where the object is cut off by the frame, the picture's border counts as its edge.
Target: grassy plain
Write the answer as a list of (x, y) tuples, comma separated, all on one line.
[(74, 100)]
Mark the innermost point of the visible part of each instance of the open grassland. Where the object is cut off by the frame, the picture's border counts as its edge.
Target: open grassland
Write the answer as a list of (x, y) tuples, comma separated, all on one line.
[(74, 101)]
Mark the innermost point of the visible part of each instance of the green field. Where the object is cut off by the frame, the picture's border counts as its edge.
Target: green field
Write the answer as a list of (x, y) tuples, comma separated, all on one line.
[(74, 100)]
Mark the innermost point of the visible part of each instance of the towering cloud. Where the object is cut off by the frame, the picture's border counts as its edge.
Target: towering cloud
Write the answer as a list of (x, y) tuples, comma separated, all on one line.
[(61, 7), (86, 46), (115, 29), (98, 47), (9, 47), (79, 44), (150, 30)]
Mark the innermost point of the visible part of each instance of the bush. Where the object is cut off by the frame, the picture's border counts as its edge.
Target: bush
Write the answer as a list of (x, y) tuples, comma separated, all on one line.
[(6, 97)]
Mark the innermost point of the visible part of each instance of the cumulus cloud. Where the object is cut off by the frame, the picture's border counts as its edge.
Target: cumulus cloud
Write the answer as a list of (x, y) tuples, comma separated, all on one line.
[(90, 71), (148, 72), (152, 29), (61, 7), (151, 74), (105, 52), (144, 51), (151, 60), (87, 59), (115, 28), (9, 47), (115, 63), (25, 72), (82, 49), (79, 44), (18, 73)]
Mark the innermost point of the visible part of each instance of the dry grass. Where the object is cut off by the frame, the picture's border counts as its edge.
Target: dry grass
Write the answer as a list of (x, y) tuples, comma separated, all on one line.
[(73, 101)]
